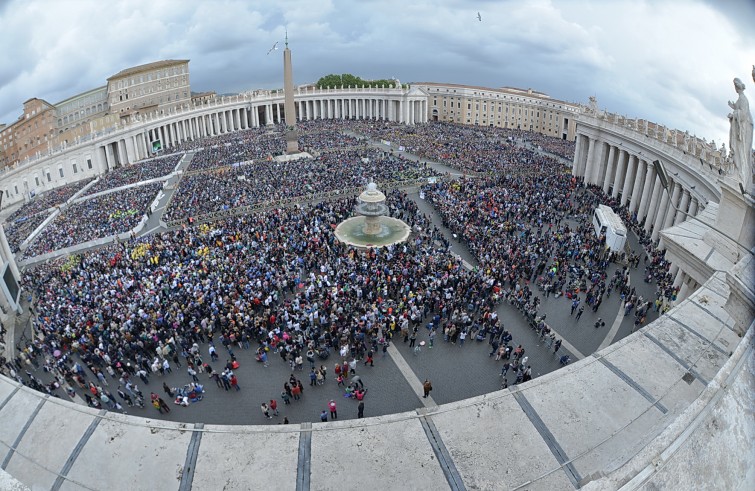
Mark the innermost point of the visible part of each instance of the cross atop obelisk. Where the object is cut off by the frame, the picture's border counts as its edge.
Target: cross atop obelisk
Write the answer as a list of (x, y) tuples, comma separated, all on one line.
[(292, 137)]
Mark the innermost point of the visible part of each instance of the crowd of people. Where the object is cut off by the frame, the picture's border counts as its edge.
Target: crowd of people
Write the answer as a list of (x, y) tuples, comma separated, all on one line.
[(532, 231), (265, 180), (559, 147), (475, 149), (21, 223), (278, 282), (237, 149), (20, 230), (94, 218), (138, 172), (49, 199)]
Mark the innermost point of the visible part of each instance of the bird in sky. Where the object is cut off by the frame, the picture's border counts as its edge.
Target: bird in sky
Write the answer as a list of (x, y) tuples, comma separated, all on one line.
[(479, 17), (275, 47)]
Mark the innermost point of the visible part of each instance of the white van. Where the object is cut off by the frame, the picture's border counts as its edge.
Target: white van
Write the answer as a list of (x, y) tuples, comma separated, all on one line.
[(609, 224)]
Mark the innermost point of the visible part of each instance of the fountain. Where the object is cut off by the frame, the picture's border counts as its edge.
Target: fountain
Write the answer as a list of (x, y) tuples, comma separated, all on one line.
[(372, 228)]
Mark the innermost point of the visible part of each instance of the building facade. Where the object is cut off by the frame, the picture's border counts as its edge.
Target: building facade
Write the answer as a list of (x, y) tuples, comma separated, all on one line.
[(132, 139), (32, 134), (162, 86), (505, 107), (80, 109), (44, 128)]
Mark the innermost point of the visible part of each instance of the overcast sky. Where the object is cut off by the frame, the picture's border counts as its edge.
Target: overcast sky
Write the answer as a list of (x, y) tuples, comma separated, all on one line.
[(670, 61)]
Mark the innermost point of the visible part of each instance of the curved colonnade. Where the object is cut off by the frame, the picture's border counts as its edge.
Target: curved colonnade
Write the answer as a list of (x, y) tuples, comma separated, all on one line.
[(133, 141), (620, 159), (643, 413)]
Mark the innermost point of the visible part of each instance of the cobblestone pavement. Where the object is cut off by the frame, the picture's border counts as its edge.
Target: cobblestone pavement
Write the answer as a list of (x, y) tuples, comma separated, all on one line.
[(457, 372)]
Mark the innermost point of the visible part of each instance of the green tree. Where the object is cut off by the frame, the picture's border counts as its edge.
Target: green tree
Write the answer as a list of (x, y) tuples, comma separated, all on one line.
[(331, 80), (349, 80)]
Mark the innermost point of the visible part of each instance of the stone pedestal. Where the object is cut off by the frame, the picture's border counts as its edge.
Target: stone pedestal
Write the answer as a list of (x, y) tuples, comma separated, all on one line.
[(372, 225), (292, 141), (736, 218), (741, 302)]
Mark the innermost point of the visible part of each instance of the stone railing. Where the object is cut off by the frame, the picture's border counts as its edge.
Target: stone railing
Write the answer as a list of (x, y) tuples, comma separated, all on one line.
[(716, 158), (666, 407)]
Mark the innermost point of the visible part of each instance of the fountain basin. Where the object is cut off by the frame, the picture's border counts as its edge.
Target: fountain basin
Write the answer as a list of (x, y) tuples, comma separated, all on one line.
[(356, 231)]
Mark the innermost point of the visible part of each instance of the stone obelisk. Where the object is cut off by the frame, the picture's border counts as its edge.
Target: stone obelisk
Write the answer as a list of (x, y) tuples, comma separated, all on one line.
[(292, 137)]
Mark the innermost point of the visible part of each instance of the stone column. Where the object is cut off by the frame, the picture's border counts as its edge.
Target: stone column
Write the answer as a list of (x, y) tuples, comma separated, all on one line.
[(660, 216), (693, 207), (110, 157), (680, 215), (626, 181), (671, 213), (131, 149), (610, 168), (652, 209), (647, 190), (637, 186), (589, 164), (679, 278), (599, 162), (622, 174), (576, 163)]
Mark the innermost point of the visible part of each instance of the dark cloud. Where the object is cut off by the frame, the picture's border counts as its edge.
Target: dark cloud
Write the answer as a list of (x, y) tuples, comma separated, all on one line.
[(644, 58)]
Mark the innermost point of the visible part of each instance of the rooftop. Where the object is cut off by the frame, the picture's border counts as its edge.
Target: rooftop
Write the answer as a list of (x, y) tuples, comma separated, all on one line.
[(508, 90), (146, 67), (83, 94)]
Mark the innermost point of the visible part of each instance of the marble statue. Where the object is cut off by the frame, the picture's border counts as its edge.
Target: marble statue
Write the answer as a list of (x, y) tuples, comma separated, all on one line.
[(593, 106), (740, 134)]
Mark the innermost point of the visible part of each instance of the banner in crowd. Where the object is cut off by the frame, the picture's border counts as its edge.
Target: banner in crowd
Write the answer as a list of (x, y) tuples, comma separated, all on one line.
[(123, 213)]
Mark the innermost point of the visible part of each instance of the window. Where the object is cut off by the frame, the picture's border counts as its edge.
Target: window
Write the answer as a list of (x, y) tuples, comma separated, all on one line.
[(89, 163), (49, 178), (61, 172), (36, 179), (75, 169)]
